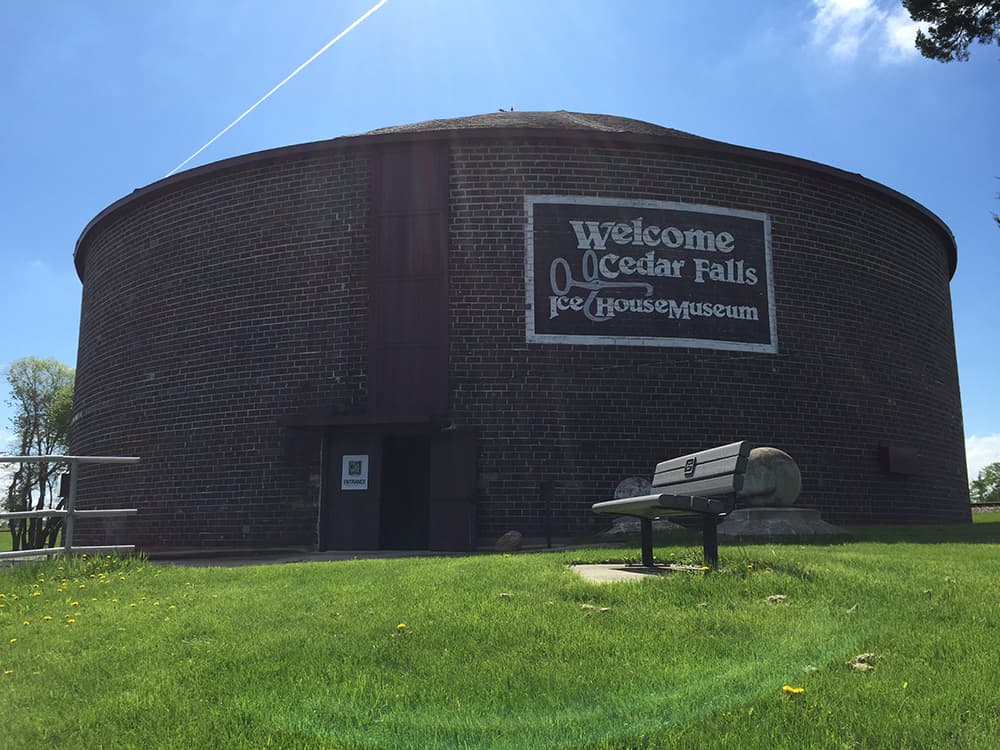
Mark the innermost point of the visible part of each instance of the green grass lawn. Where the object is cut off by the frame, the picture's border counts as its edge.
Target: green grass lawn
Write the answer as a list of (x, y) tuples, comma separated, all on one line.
[(515, 651)]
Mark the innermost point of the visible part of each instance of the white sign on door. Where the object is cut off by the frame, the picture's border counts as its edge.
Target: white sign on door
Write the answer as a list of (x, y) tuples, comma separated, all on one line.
[(354, 475)]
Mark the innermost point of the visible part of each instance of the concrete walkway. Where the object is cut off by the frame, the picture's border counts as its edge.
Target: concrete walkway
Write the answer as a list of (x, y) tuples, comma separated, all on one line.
[(617, 573), (229, 558), (603, 573), (226, 557)]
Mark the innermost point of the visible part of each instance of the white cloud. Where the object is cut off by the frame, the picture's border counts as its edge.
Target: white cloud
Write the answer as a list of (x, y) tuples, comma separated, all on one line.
[(981, 451), (848, 28), (900, 35)]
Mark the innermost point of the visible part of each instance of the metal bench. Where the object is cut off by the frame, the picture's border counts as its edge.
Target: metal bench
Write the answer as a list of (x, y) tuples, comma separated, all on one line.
[(698, 483)]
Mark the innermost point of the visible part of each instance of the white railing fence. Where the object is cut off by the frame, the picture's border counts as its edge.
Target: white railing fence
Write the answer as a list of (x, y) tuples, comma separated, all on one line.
[(69, 511)]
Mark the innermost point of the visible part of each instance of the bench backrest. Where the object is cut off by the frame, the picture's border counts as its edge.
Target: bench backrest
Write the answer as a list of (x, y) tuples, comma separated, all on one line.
[(716, 471)]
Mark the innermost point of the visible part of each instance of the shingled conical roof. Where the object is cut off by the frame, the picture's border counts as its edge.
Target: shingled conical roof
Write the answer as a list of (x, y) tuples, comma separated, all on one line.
[(559, 120)]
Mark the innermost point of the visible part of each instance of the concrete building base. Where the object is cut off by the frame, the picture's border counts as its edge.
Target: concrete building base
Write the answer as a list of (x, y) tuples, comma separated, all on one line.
[(775, 523)]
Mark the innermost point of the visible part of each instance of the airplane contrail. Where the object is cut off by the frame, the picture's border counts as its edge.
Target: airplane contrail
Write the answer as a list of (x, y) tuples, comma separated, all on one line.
[(287, 78)]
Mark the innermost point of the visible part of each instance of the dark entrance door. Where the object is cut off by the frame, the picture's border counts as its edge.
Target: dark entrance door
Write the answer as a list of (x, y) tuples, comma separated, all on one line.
[(453, 475), (349, 512), (404, 505), (418, 493)]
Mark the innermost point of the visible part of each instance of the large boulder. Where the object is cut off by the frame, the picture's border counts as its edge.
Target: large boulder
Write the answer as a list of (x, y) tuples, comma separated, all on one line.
[(772, 479), (630, 525), (633, 487)]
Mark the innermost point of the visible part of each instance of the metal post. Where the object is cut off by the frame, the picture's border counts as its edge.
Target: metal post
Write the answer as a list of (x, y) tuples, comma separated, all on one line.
[(545, 490), (710, 540), (74, 467), (646, 527)]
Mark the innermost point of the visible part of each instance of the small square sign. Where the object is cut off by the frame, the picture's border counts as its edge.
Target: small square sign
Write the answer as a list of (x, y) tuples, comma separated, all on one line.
[(354, 473)]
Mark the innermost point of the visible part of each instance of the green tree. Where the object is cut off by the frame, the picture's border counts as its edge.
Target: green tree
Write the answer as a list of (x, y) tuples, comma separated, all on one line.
[(41, 393), (954, 25), (986, 487)]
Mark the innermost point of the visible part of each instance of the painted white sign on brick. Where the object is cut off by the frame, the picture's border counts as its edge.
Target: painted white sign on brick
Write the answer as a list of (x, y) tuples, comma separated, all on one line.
[(613, 271)]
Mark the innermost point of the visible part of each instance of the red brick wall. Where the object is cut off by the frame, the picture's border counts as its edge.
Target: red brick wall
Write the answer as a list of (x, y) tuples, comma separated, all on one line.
[(208, 312), (225, 299), (866, 351)]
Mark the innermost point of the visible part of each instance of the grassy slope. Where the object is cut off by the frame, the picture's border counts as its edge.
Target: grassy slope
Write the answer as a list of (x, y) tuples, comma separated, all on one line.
[(513, 651)]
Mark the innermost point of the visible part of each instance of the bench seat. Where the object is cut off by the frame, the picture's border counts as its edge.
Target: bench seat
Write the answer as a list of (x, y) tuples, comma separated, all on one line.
[(658, 506)]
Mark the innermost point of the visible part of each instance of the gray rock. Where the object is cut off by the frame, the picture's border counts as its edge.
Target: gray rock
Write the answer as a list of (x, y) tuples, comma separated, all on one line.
[(633, 487), (629, 525), (772, 479), (509, 542)]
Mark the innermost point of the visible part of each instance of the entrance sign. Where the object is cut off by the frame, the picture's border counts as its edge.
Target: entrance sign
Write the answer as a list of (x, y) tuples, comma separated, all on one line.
[(608, 271), (354, 474)]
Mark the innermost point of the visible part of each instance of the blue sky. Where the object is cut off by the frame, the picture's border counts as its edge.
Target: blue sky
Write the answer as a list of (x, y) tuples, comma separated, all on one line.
[(107, 96)]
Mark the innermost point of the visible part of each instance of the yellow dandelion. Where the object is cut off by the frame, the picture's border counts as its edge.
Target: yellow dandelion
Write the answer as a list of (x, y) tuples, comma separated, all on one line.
[(8, 671), (401, 626), (172, 606), (74, 604), (13, 640), (3, 596), (27, 622), (133, 604), (47, 617), (2, 605), (36, 593), (156, 604), (792, 690), (70, 620)]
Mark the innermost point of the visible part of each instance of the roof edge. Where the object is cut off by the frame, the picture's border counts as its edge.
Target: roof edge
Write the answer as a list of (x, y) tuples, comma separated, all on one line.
[(682, 143)]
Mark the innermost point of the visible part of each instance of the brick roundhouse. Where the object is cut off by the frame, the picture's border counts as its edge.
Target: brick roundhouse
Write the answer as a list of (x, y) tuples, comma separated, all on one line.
[(425, 336)]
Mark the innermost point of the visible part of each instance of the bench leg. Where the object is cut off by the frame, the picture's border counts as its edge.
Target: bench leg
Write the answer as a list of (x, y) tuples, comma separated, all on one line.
[(710, 540), (646, 527)]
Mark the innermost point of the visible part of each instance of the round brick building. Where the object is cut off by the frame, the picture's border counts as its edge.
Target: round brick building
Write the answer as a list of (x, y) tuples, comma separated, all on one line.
[(425, 336)]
